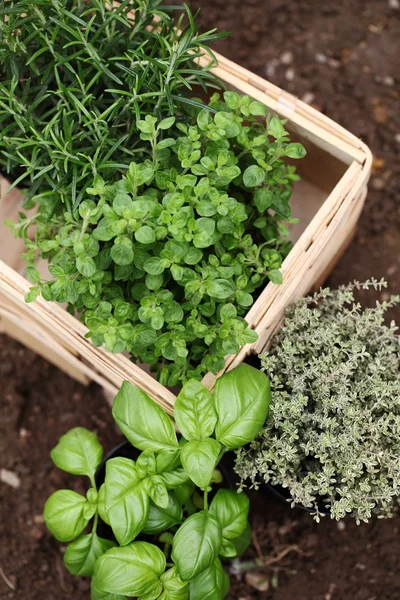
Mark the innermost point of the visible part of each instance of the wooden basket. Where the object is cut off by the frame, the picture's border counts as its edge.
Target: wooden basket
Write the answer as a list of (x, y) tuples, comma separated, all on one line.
[(328, 200)]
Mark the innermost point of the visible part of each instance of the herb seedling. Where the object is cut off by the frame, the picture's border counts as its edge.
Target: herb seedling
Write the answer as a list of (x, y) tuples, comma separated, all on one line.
[(166, 493)]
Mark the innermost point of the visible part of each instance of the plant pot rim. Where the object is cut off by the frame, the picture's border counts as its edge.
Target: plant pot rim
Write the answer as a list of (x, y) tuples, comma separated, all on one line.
[(278, 492)]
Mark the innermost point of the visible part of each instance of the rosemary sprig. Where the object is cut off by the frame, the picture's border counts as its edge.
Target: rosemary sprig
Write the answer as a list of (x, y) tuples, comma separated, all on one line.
[(75, 78)]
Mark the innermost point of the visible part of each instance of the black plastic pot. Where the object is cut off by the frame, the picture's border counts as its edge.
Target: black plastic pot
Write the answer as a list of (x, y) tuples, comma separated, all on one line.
[(283, 495)]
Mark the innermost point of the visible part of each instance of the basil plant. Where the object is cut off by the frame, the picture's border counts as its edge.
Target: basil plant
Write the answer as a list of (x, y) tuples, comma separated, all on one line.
[(171, 518)]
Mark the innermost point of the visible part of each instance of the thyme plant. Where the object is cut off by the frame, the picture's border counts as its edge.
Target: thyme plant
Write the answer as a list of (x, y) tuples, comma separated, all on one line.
[(333, 433), (166, 261), (76, 77)]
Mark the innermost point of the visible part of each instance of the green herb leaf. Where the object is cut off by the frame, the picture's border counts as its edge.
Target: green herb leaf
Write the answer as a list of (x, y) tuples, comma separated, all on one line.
[(258, 109), (131, 571), (220, 289), (145, 235), (295, 150), (242, 397), (276, 128), (161, 519), (126, 502), (86, 266), (231, 510), (194, 411), (81, 555), (174, 587), (263, 199), (158, 493), (253, 176), (242, 542), (196, 544), (78, 452), (166, 123), (122, 252), (64, 515), (275, 276), (228, 550), (210, 584), (199, 459), (142, 421)]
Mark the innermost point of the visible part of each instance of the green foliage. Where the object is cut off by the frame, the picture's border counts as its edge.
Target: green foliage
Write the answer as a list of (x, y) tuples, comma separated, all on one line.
[(332, 437), (75, 77), (155, 495), (165, 262)]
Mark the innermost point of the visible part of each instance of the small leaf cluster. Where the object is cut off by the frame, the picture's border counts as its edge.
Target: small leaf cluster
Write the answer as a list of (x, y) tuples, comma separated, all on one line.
[(156, 495), (75, 77), (332, 437), (165, 262)]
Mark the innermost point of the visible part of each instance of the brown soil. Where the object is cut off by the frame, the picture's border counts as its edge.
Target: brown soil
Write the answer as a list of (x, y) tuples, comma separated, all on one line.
[(342, 57)]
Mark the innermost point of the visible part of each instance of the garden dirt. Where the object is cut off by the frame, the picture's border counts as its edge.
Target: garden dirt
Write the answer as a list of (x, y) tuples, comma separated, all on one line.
[(342, 57)]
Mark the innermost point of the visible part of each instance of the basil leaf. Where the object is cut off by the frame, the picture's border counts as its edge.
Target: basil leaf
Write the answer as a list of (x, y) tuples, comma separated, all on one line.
[(134, 570), (196, 544), (228, 550), (161, 519), (96, 594), (242, 542), (175, 477), (157, 491), (210, 584), (167, 460), (146, 463), (100, 505), (231, 510), (183, 492), (194, 411), (126, 502), (81, 555), (242, 397), (142, 421), (64, 515), (199, 460), (174, 587), (78, 452)]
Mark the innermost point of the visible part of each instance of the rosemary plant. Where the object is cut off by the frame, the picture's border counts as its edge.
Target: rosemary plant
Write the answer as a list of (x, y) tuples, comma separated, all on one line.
[(76, 77)]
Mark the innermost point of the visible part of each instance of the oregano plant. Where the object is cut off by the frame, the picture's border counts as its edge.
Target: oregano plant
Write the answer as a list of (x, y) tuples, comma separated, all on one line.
[(172, 520), (166, 261)]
